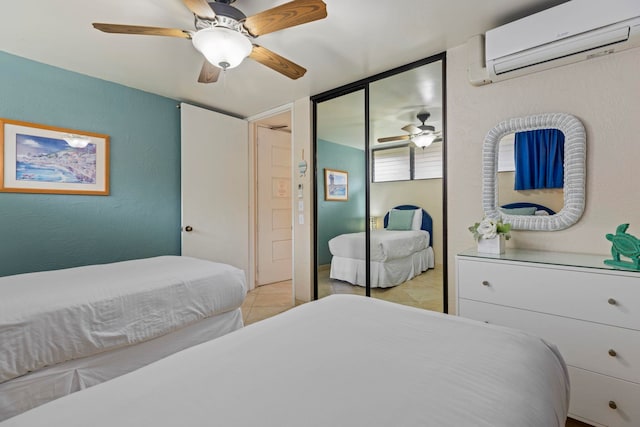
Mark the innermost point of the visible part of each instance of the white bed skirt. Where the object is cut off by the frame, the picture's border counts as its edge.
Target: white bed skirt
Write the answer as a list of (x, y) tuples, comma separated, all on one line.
[(383, 274), (34, 389)]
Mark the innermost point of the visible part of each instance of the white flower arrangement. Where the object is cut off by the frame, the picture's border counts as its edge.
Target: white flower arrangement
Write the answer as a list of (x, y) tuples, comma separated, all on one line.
[(490, 228)]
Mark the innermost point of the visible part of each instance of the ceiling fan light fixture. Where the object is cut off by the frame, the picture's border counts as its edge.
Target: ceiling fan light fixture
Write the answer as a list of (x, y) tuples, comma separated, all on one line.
[(76, 141), (222, 47), (423, 140)]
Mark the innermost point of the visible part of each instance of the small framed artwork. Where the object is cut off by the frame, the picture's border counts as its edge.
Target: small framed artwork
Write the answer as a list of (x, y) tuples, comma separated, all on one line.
[(44, 159), (336, 185)]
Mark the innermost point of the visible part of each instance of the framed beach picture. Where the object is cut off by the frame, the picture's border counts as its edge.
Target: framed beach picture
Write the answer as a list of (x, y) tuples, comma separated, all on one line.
[(336, 185), (44, 159)]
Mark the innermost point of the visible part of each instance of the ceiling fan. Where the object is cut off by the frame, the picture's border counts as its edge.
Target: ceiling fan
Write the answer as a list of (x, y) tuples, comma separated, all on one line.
[(422, 136), (223, 34)]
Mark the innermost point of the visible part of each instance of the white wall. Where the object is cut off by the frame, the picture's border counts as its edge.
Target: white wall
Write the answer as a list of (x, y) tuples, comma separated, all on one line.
[(604, 93), (303, 233)]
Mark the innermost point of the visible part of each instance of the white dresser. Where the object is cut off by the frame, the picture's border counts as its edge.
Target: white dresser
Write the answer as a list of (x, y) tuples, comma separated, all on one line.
[(589, 310)]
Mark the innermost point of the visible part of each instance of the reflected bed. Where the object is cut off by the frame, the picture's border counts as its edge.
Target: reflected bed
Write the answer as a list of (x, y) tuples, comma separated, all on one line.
[(526, 208), (396, 255)]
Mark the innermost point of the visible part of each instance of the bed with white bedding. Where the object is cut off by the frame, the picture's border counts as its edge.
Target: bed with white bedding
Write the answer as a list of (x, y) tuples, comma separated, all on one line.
[(396, 255), (344, 360), (66, 330)]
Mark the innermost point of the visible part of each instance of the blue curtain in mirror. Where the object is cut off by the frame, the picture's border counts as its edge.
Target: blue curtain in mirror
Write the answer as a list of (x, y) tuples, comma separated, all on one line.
[(539, 158)]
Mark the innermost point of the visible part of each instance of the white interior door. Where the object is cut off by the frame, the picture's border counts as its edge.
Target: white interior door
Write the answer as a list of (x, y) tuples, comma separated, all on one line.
[(274, 206), (215, 186)]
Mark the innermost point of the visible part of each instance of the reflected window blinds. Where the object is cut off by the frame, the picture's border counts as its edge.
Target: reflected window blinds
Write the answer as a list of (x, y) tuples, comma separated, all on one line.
[(407, 163), (391, 164)]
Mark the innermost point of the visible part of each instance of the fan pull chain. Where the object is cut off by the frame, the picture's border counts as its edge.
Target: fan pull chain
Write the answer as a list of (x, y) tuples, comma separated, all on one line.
[(223, 76)]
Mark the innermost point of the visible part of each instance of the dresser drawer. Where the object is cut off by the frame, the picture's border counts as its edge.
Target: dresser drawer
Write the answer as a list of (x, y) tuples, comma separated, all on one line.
[(593, 394), (600, 348), (588, 294)]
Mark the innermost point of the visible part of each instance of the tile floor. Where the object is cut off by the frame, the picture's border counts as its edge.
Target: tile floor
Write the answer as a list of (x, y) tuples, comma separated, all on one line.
[(266, 301), (424, 291)]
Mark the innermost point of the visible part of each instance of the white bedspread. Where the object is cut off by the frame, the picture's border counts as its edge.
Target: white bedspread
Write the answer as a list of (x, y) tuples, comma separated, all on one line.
[(385, 244), (51, 317), (342, 361)]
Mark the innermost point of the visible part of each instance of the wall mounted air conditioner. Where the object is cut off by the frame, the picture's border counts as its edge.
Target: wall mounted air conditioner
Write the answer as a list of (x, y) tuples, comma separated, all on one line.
[(570, 32)]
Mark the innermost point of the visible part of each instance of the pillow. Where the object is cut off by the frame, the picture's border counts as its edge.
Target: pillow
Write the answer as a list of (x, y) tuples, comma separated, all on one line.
[(400, 220), (417, 220), (416, 224), (519, 211)]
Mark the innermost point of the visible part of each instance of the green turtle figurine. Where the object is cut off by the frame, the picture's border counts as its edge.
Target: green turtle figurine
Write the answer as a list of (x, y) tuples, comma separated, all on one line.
[(624, 244)]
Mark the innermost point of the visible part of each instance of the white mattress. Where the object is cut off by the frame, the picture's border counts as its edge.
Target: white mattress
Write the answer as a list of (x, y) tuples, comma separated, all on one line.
[(342, 361), (51, 317), (385, 244)]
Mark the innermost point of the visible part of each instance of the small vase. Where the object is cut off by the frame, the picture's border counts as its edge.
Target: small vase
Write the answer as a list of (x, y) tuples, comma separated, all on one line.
[(491, 246)]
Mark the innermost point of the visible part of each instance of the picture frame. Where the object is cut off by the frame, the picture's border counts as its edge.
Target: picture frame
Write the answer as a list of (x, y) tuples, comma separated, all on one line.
[(336, 185), (36, 158)]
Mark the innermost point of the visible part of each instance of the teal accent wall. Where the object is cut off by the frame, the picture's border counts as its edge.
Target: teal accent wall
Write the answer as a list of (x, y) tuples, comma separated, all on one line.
[(336, 218), (141, 216)]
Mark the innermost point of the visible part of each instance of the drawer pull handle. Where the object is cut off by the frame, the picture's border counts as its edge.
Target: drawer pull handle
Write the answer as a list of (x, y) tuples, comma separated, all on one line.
[(613, 405), (485, 283), (612, 301), (612, 353)]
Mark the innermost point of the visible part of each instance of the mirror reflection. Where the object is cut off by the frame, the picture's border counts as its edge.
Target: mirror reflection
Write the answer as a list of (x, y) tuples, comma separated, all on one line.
[(406, 116), (564, 144), (531, 172), (405, 182), (340, 154)]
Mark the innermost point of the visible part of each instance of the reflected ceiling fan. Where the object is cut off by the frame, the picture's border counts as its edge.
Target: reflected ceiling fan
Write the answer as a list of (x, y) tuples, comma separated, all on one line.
[(422, 136), (224, 35)]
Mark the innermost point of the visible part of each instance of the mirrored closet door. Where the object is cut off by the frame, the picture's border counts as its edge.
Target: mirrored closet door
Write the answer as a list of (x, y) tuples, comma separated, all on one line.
[(341, 178), (406, 187), (390, 243)]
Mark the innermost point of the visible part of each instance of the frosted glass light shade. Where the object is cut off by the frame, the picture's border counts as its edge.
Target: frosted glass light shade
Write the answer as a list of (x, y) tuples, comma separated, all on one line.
[(222, 47), (423, 140)]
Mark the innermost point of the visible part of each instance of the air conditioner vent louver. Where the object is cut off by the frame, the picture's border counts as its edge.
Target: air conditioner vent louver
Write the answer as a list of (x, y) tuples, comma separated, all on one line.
[(567, 47), (571, 32)]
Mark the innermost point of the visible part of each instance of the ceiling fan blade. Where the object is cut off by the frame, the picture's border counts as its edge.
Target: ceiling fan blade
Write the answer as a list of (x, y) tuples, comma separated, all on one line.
[(394, 138), (276, 62), (209, 73), (137, 29), (290, 14), (412, 129), (200, 8)]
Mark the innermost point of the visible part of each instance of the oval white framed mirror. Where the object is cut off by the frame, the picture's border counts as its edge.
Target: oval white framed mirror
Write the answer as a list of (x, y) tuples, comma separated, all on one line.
[(574, 171)]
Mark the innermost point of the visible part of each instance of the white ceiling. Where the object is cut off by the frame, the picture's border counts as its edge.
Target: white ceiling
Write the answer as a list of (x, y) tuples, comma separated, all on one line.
[(359, 38)]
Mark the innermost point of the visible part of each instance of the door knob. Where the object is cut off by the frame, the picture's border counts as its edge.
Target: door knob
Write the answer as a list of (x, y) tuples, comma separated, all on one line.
[(188, 228)]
